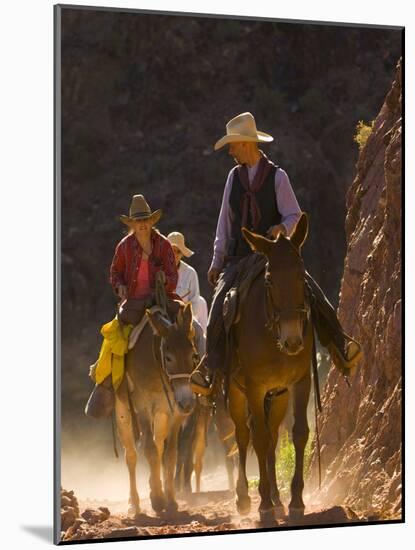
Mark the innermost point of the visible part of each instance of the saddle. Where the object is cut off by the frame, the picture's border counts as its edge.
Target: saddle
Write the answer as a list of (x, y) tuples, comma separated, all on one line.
[(249, 268), (138, 329)]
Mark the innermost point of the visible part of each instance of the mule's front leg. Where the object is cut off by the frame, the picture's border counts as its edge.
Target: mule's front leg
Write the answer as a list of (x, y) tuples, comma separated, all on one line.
[(153, 452), (199, 445), (169, 464), (300, 436), (126, 434), (226, 432), (261, 442), (238, 410), (277, 411), (230, 466)]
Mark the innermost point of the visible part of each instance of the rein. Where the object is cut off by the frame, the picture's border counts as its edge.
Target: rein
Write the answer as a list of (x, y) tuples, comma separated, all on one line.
[(273, 314), (165, 376), (162, 373), (317, 404), (161, 301)]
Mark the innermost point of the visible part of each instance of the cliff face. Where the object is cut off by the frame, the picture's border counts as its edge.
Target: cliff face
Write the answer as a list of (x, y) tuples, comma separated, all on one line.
[(361, 426)]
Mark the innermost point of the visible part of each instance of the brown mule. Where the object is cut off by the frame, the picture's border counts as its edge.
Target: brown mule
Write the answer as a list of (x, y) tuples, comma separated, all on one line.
[(156, 388), (274, 343), (193, 441)]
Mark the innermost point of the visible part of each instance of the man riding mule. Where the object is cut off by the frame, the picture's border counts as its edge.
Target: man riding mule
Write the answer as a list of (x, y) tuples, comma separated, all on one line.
[(258, 196)]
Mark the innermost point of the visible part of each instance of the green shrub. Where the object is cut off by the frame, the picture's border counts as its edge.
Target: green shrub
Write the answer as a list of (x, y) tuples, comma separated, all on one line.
[(363, 131), (253, 483), (286, 463)]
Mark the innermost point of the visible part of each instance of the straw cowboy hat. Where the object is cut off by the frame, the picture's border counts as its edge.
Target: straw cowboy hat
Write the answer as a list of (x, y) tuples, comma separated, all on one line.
[(140, 210), (242, 128), (177, 239)]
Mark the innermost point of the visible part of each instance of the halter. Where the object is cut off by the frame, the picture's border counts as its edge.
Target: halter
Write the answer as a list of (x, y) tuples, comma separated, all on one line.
[(161, 300), (273, 314), (170, 376), (164, 373)]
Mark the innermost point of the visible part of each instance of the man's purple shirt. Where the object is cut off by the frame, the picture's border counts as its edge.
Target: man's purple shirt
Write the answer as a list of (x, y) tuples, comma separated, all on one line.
[(287, 206)]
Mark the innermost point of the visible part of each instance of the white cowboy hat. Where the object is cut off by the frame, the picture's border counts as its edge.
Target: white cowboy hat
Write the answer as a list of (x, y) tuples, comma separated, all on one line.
[(242, 128), (177, 239), (140, 210)]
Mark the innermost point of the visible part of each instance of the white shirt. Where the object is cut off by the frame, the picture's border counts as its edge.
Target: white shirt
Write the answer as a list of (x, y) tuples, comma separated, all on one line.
[(287, 206), (188, 290)]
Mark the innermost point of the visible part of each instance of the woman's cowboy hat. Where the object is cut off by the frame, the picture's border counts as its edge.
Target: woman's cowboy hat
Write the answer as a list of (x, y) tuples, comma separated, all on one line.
[(242, 128), (177, 239), (140, 210)]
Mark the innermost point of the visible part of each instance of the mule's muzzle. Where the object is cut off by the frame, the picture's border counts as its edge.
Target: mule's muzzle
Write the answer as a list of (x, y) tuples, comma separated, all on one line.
[(293, 346), (185, 399), (185, 408)]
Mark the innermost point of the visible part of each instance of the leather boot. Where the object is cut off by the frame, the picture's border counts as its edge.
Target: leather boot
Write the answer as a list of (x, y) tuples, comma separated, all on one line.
[(201, 379), (345, 355)]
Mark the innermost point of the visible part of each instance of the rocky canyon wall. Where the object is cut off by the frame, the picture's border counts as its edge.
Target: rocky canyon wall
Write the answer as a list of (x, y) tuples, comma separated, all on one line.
[(361, 431)]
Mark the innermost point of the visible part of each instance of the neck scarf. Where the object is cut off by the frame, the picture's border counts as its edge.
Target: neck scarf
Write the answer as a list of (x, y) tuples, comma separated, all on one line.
[(249, 202)]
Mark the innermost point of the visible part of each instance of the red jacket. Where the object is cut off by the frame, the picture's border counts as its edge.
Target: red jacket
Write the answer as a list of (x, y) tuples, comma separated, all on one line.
[(127, 258)]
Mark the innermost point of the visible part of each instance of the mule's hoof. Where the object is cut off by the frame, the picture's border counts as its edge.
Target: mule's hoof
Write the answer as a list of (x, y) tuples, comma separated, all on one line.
[(158, 502), (296, 513), (243, 505), (133, 510), (279, 511), (172, 506), (267, 516)]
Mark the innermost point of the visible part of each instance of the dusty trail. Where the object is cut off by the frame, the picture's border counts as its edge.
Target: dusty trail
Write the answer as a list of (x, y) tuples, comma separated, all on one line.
[(211, 511)]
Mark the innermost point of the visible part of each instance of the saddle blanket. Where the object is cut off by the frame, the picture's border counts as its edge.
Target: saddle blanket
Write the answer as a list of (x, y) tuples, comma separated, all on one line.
[(118, 340)]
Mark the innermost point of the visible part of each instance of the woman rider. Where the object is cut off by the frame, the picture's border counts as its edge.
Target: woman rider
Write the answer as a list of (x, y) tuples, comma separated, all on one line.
[(137, 259), (188, 281), (188, 289)]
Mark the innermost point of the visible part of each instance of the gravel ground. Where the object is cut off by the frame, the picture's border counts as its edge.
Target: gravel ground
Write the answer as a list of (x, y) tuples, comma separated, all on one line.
[(212, 511)]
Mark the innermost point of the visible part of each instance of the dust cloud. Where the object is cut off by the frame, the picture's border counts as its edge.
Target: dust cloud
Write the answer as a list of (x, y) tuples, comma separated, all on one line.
[(90, 468)]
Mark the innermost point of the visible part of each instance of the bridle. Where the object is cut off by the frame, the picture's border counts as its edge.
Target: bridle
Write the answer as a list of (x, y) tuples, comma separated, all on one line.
[(165, 374), (173, 376), (273, 313)]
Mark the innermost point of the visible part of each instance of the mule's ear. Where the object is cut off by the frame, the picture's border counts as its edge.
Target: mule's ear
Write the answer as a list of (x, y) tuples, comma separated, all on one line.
[(258, 243), (300, 232), (159, 324), (187, 316)]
